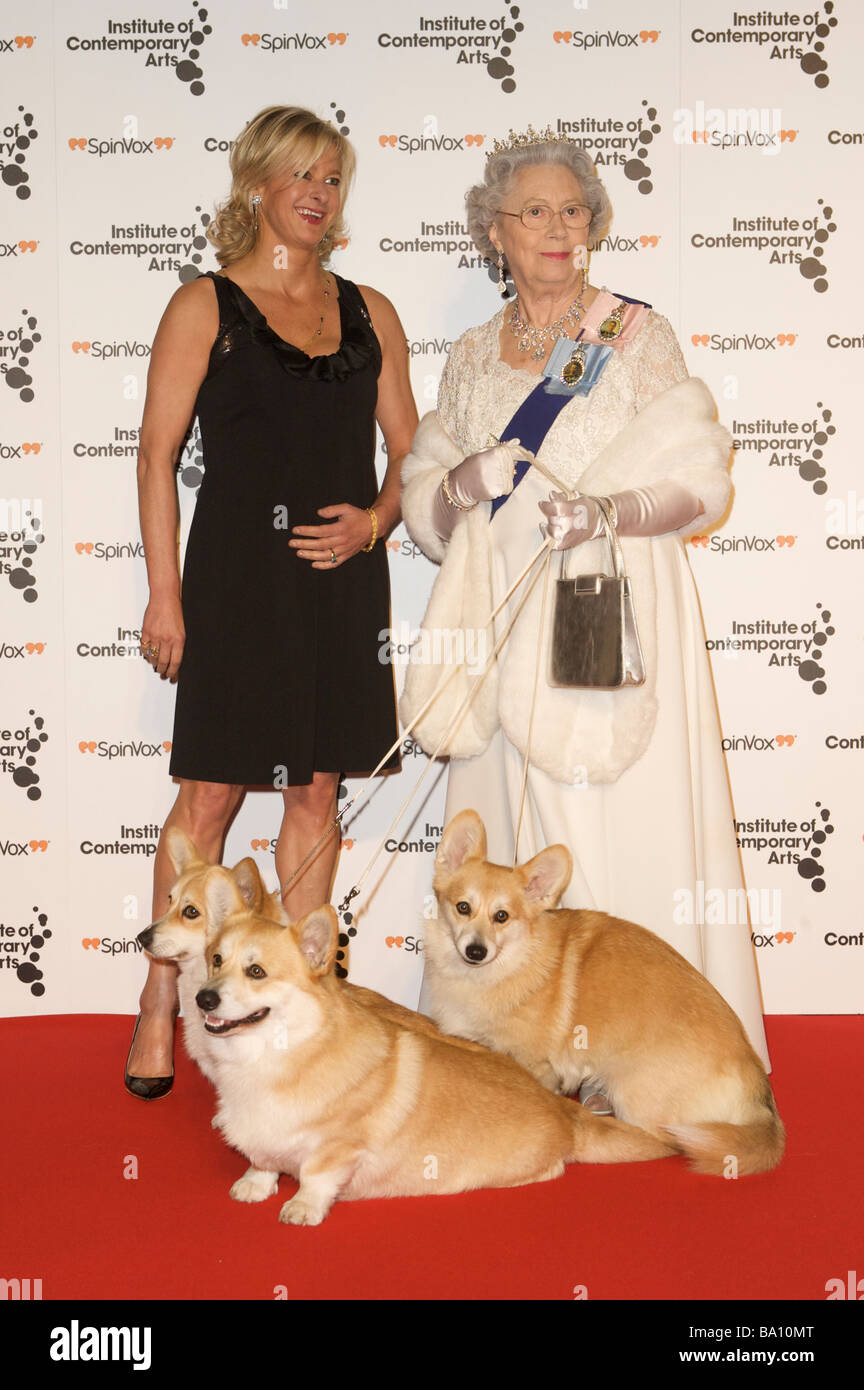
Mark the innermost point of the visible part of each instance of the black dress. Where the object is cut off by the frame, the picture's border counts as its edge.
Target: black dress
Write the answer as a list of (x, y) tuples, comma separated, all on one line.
[(280, 674)]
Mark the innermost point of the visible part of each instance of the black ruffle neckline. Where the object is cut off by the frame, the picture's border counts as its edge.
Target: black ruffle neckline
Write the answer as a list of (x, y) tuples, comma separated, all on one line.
[(359, 345)]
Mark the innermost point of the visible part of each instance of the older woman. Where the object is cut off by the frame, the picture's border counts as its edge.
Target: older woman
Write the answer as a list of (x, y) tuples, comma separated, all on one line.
[(632, 779), (275, 636)]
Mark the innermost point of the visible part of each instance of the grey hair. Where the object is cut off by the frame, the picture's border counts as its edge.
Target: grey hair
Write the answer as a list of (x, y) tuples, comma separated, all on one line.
[(484, 200)]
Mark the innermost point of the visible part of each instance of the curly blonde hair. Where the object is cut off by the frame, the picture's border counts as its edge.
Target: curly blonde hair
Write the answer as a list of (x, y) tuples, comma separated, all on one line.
[(277, 137)]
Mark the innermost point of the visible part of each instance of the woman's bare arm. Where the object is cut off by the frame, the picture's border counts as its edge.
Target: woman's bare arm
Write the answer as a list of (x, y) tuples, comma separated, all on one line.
[(178, 365)]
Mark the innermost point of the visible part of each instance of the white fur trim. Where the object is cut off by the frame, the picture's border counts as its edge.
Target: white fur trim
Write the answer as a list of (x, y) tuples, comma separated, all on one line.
[(576, 733), (433, 452)]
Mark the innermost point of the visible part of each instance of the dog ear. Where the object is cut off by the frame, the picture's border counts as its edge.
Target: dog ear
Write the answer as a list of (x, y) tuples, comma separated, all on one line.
[(222, 897), (248, 880), (464, 838), (181, 851), (316, 935), (545, 877)]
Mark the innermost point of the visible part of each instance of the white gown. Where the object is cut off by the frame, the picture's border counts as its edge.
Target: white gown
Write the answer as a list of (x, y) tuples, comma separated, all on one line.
[(664, 829)]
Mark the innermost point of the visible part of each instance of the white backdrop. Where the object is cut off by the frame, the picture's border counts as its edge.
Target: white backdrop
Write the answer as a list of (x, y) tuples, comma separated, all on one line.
[(731, 144)]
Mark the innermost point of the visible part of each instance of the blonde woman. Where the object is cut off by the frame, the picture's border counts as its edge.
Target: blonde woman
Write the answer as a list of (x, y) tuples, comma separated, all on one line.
[(273, 639)]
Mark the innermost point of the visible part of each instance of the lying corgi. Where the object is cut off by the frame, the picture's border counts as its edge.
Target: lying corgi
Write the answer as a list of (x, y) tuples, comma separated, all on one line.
[(579, 995), (316, 1082), (181, 936)]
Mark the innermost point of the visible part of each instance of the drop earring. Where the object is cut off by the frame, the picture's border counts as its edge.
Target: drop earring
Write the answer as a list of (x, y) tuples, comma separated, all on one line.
[(502, 287), (256, 203)]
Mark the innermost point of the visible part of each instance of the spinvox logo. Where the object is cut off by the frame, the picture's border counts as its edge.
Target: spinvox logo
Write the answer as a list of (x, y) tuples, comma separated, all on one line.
[(430, 140), (586, 40), (627, 243), (10, 249), (743, 342), (124, 144), (111, 550), (411, 944), (14, 451), (725, 545), (100, 351), (138, 748), (12, 651), (296, 42)]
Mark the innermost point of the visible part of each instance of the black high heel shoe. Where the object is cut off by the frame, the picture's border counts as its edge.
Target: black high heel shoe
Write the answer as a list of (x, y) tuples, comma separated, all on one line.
[(146, 1087)]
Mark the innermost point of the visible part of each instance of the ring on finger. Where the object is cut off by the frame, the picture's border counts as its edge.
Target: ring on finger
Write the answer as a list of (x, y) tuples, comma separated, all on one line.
[(332, 557)]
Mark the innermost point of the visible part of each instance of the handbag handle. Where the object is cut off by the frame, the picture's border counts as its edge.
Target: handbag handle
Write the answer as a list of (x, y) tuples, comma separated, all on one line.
[(618, 570)]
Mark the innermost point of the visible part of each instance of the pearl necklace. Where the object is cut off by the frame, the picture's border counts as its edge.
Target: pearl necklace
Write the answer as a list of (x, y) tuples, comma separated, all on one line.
[(533, 340)]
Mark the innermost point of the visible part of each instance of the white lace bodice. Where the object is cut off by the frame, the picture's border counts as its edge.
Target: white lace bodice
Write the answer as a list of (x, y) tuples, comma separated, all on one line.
[(479, 394)]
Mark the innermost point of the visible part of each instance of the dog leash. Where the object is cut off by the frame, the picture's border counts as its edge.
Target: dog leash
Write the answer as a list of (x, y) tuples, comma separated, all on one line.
[(540, 631), (352, 801), (451, 728)]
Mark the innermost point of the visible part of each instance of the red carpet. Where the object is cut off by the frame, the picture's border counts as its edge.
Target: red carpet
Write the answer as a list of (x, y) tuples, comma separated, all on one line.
[(643, 1231)]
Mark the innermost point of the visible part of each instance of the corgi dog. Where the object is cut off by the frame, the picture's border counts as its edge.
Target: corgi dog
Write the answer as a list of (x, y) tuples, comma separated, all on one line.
[(181, 936), (574, 995), (317, 1081)]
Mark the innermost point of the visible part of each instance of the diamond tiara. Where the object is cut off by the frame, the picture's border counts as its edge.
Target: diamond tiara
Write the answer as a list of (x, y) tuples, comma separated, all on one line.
[(528, 137)]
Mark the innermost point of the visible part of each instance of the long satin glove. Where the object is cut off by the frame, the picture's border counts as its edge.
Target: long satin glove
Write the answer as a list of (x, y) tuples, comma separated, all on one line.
[(642, 511), (479, 478)]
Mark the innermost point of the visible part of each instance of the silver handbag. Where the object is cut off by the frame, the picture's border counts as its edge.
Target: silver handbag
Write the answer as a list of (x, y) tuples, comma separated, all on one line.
[(595, 643)]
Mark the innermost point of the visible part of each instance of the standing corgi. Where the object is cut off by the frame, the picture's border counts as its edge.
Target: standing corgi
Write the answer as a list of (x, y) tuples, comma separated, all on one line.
[(579, 995)]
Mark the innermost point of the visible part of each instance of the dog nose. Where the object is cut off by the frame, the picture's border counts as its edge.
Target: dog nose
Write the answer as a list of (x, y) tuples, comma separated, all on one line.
[(475, 950), (146, 936), (207, 1000)]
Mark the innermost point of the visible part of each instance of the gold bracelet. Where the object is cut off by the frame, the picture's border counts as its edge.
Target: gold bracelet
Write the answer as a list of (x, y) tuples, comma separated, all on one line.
[(450, 498), (371, 511)]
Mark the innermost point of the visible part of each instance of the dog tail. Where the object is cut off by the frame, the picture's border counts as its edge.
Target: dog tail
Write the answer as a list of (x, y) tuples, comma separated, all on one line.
[(727, 1150), (732, 1150), (598, 1139)]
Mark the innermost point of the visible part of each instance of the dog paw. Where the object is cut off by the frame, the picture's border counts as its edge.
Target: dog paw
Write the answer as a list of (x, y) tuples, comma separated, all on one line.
[(299, 1213), (254, 1187)]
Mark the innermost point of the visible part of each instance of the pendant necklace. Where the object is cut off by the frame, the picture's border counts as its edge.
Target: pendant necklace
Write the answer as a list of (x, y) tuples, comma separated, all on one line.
[(317, 333), (533, 340)]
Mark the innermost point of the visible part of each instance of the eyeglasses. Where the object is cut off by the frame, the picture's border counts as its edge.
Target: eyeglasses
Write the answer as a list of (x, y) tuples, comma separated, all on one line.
[(537, 217)]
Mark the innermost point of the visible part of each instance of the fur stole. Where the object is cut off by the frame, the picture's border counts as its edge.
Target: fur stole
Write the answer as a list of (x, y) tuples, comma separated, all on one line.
[(578, 736)]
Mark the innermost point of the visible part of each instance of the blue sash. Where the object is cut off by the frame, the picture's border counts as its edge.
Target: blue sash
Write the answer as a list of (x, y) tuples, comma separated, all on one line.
[(539, 411)]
